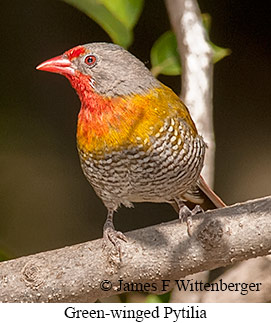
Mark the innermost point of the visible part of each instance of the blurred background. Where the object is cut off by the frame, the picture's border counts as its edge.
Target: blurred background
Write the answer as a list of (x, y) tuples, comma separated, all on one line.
[(45, 201)]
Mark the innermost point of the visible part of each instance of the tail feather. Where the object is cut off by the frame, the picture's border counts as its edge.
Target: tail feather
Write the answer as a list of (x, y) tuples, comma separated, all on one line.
[(201, 195), (215, 199)]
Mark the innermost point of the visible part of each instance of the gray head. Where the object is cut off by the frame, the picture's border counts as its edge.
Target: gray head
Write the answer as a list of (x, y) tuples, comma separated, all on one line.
[(111, 69)]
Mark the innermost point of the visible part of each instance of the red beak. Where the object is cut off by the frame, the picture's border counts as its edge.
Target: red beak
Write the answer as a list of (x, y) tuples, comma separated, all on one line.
[(59, 64)]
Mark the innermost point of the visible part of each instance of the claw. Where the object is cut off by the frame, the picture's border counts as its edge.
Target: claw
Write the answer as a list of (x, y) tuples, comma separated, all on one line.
[(197, 209), (185, 215), (113, 237)]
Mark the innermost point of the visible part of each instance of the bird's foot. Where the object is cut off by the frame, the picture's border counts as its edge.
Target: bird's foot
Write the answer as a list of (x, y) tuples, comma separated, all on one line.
[(185, 215), (112, 238)]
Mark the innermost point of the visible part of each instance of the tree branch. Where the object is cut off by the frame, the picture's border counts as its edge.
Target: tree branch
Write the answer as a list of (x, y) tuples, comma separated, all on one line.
[(197, 72), (254, 270), (73, 274)]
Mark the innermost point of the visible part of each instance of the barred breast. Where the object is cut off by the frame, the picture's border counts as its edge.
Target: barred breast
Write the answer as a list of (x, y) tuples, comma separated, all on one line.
[(160, 171)]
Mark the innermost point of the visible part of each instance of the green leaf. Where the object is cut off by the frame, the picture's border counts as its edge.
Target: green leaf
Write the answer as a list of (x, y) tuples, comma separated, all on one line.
[(219, 52), (116, 17), (126, 11), (164, 55)]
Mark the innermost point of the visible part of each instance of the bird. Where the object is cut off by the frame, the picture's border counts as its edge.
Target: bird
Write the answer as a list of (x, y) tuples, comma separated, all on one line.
[(136, 139)]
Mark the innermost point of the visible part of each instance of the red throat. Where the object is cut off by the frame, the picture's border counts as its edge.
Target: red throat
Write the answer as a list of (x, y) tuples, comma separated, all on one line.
[(82, 85), (95, 108)]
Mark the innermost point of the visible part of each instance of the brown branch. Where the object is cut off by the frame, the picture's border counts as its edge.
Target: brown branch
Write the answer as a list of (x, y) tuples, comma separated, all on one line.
[(254, 270), (73, 274), (197, 72)]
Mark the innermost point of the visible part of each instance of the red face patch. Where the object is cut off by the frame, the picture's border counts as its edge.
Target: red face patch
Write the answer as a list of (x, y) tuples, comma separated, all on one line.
[(75, 52)]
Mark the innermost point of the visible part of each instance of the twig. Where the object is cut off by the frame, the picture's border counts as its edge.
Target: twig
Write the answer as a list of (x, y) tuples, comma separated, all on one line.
[(197, 75), (74, 274)]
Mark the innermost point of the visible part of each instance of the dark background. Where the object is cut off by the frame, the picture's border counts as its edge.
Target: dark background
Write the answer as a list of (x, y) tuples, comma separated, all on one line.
[(45, 201)]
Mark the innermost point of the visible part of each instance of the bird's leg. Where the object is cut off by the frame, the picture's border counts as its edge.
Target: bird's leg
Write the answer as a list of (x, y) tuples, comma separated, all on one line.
[(110, 235), (185, 214)]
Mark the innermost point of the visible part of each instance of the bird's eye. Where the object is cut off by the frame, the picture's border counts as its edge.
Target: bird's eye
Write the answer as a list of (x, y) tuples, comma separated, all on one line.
[(90, 60)]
